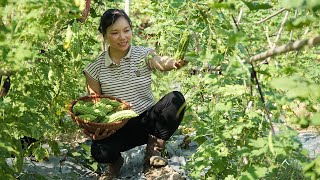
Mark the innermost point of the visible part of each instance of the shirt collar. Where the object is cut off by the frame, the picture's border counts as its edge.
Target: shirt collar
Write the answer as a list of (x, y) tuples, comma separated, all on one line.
[(108, 60)]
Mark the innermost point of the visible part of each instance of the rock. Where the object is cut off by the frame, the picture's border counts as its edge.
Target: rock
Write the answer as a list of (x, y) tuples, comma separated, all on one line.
[(311, 142), (158, 161), (65, 167), (164, 173)]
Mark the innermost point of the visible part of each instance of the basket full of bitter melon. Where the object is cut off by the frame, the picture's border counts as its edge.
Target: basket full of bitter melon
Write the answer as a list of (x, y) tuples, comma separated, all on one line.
[(99, 111)]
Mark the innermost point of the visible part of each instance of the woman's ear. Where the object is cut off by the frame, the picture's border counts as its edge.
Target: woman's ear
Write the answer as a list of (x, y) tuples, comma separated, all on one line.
[(104, 42)]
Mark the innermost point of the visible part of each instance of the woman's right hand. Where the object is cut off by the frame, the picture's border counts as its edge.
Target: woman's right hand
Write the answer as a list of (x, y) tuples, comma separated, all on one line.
[(97, 136)]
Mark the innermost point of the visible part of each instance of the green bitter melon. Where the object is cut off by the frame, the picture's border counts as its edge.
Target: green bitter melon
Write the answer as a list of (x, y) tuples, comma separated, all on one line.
[(113, 103), (183, 45), (104, 111), (121, 115), (88, 117)]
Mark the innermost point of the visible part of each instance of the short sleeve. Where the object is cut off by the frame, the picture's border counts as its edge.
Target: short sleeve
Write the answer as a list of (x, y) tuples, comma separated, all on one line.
[(148, 57), (93, 70)]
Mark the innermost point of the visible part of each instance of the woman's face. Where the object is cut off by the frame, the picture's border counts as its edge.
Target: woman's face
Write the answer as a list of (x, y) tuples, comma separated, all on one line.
[(119, 35)]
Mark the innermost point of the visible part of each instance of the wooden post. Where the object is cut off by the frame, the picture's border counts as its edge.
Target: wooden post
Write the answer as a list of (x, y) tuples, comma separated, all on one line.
[(127, 7)]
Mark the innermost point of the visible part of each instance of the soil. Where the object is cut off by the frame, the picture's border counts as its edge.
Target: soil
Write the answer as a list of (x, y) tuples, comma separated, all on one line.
[(65, 167), (178, 150), (164, 173)]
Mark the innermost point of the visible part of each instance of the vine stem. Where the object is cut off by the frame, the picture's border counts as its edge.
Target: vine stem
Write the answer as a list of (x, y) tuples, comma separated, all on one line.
[(272, 15), (291, 32), (268, 37), (281, 28), (254, 78), (279, 33), (239, 17), (254, 75)]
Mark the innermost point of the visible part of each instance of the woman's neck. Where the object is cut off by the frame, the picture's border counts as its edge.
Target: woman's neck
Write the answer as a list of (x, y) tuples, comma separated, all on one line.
[(117, 55)]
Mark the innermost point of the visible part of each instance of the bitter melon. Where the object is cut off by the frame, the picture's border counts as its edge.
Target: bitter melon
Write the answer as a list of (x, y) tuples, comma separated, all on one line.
[(183, 45), (105, 119), (121, 115), (88, 117), (88, 110), (104, 108), (104, 111), (82, 103), (113, 103)]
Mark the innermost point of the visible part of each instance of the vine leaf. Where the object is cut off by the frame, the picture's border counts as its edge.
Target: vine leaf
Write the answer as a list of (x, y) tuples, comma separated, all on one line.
[(256, 6), (314, 4), (291, 4), (315, 120), (300, 22), (41, 153), (226, 5), (255, 172)]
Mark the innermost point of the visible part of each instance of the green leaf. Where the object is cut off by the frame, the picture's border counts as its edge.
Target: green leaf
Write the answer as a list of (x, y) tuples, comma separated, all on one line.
[(242, 49), (260, 171), (300, 22), (54, 147), (41, 153), (259, 143), (221, 5), (254, 173), (232, 90), (86, 147), (5, 147), (299, 91), (222, 150), (216, 59), (258, 152), (315, 119), (75, 154), (94, 166), (296, 86), (256, 6), (223, 107), (292, 4)]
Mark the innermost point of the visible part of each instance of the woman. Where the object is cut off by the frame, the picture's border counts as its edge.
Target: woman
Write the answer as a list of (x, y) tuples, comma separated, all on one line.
[(124, 71)]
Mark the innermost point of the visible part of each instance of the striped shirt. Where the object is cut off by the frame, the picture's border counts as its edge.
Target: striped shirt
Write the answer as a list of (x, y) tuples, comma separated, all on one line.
[(129, 81)]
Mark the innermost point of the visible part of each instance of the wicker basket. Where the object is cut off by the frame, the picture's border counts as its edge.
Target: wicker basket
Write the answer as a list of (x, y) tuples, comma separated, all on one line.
[(92, 126)]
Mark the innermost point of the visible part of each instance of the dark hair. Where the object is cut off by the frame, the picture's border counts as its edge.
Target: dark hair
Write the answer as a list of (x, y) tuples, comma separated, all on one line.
[(109, 17)]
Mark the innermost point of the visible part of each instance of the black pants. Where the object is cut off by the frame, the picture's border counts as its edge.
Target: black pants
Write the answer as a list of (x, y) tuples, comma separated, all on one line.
[(161, 120)]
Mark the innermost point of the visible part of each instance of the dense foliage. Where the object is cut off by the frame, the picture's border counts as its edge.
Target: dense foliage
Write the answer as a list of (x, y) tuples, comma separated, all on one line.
[(45, 45)]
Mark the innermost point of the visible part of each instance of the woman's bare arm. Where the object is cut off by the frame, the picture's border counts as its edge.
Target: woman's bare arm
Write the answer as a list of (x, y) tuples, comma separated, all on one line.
[(93, 87), (164, 63)]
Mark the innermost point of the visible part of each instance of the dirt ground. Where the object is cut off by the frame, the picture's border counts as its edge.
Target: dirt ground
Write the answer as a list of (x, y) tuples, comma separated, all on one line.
[(178, 150)]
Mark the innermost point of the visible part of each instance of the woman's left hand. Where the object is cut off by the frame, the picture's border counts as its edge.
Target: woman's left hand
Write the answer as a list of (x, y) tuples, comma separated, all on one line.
[(97, 135)]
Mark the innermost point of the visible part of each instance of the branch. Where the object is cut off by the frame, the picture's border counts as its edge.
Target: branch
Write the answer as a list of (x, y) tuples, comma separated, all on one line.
[(255, 78), (269, 17), (281, 28), (295, 16), (279, 33), (239, 17), (268, 38), (235, 23), (85, 12), (294, 46)]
